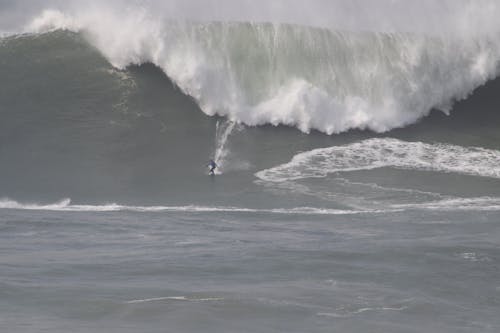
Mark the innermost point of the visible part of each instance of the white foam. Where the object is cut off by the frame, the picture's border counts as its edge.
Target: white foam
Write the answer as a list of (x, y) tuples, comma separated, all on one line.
[(387, 152), (346, 313), (323, 79), (474, 257), (157, 299), (456, 204), (175, 298), (11, 204), (66, 206)]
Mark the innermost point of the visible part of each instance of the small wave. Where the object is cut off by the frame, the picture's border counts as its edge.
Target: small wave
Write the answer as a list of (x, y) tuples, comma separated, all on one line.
[(175, 298), (344, 313), (66, 206), (474, 257), (456, 204), (387, 152)]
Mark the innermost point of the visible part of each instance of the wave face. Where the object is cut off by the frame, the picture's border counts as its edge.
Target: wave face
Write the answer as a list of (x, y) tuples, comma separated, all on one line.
[(319, 78)]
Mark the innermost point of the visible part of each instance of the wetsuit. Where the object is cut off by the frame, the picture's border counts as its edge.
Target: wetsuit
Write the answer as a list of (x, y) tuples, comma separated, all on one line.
[(212, 166)]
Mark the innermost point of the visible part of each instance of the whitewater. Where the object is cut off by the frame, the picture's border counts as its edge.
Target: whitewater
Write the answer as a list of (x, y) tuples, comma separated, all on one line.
[(310, 77)]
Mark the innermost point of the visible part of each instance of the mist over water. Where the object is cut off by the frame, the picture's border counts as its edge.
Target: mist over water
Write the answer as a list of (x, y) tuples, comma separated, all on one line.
[(222, 132)]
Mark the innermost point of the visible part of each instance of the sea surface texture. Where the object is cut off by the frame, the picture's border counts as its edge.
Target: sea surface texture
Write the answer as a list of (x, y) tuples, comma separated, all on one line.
[(358, 179)]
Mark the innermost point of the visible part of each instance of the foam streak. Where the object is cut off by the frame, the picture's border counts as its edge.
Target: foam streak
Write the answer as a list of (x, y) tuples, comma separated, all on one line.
[(379, 153)]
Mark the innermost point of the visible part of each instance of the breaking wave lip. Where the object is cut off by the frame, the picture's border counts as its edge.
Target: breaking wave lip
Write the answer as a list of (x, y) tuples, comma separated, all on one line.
[(66, 206), (387, 152), (282, 74)]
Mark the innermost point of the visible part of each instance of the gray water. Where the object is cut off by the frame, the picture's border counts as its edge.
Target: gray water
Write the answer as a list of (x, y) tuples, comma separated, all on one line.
[(249, 272), (109, 222)]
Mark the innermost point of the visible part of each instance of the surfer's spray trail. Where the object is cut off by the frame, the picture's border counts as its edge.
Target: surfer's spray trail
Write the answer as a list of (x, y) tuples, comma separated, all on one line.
[(223, 130), (298, 72)]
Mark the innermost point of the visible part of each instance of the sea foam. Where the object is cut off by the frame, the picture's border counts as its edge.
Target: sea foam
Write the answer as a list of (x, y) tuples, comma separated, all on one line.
[(65, 205), (387, 152)]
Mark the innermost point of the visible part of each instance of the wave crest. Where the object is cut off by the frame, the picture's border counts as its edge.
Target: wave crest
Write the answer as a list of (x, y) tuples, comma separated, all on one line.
[(310, 78)]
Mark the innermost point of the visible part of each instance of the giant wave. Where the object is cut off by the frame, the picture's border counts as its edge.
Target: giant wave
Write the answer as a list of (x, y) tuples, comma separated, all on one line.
[(317, 78)]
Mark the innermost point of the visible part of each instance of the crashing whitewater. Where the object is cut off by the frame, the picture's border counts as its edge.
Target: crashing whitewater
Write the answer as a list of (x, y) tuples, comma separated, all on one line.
[(311, 78)]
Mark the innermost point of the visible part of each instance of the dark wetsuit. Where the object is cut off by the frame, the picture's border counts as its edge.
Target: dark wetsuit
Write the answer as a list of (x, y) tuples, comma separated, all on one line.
[(212, 166)]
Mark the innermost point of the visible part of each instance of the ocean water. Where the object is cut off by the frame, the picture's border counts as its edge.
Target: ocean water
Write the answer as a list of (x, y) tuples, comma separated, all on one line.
[(358, 187)]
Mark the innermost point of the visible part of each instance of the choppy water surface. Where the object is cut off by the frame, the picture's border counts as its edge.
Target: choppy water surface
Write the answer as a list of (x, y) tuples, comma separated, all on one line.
[(249, 272)]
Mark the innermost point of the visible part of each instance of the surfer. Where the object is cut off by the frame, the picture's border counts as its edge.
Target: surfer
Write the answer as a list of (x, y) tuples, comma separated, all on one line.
[(212, 165)]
